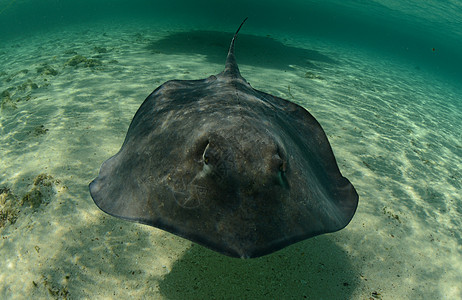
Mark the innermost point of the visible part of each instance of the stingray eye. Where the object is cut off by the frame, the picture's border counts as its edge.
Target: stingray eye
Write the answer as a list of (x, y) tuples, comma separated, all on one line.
[(282, 167), (206, 155), (281, 176)]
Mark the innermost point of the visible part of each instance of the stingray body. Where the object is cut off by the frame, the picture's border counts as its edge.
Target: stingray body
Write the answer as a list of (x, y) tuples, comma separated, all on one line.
[(229, 167)]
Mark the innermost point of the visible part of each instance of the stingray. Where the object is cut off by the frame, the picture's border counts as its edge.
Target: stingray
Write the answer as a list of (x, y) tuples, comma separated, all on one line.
[(229, 167)]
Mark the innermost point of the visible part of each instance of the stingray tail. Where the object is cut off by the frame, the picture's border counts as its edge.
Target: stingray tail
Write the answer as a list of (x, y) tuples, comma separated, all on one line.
[(231, 68)]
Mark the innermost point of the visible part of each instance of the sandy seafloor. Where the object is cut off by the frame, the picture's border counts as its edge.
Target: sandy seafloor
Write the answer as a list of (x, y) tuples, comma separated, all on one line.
[(394, 126)]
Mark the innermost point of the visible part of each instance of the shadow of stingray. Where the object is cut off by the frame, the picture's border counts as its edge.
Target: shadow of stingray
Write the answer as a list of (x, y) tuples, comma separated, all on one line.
[(315, 268), (250, 49)]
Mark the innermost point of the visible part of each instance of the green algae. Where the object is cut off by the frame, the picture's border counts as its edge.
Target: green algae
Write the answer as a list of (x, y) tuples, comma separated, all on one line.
[(8, 207), (80, 60)]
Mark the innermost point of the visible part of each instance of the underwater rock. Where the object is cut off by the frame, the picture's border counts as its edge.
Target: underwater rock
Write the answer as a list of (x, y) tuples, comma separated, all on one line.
[(45, 180), (75, 60), (8, 207), (25, 98), (70, 52), (82, 60), (6, 101), (311, 75), (39, 130), (5, 94), (90, 63), (28, 85), (41, 191), (45, 69), (6, 98), (34, 198), (138, 37), (100, 49), (56, 290)]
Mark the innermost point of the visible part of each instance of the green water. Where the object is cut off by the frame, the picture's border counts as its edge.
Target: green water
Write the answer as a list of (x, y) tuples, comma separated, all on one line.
[(411, 29)]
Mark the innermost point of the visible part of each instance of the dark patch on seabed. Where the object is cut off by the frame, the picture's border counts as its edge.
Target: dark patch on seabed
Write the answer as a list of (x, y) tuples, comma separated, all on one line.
[(42, 190), (253, 50), (306, 272)]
